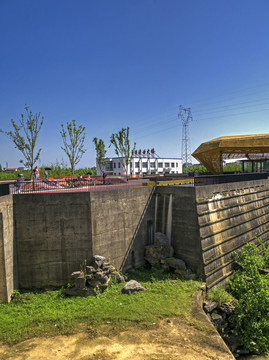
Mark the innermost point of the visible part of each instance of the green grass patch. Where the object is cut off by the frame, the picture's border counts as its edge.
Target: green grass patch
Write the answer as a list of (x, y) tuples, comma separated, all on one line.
[(219, 295), (48, 313)]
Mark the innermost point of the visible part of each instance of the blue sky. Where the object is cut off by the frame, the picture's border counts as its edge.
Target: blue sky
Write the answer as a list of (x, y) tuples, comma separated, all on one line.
[(109, 64)]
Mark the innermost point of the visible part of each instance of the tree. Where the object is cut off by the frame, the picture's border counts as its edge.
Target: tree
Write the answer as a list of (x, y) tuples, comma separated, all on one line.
[(121, 144), (100, 153), (73, 140), (24, 136)]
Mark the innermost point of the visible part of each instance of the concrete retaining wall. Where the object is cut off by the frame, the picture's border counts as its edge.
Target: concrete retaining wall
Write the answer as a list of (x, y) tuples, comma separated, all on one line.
[(229, 216), (55, 233), (53, 236), (8, 278)]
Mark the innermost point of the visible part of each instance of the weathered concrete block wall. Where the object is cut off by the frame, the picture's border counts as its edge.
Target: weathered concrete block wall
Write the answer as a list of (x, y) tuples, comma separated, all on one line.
[(56, 232), (185, 236), (229, 216), (53, 236), (119, 219), (8, 280)]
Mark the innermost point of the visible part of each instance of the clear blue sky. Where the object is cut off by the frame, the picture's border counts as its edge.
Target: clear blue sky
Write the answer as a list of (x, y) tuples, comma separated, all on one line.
[(116, 63)]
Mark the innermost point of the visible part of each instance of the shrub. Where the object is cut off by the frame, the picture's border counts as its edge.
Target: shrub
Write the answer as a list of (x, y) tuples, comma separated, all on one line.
[(251, 315)]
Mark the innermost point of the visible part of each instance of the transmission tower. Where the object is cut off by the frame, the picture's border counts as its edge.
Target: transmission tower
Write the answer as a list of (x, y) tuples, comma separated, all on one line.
[(186, 142)]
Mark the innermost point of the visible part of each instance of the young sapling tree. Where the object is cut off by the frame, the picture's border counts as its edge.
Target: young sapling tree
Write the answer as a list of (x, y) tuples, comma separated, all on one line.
[(73, 143), (121, 143)]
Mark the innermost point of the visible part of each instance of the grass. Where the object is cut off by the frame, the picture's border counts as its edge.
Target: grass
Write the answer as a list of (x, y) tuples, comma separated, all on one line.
[(219, 295), (49, 313)]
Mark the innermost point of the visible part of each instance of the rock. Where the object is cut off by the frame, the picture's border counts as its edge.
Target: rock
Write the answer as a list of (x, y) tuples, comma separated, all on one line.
[(80, 292), (119, 277), (210, 305), (132, 286), (90, 270), (227, 308), (177, 264), (99, 275), (80, 282), (75, 274), (93, 283), (217, 321), (98, 261)]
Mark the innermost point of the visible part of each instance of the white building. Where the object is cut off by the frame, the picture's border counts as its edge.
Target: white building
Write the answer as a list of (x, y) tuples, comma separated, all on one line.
[(142, 166)]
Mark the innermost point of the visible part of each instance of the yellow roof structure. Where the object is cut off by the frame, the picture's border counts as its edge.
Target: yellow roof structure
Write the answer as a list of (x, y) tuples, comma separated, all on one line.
[(212, 153)]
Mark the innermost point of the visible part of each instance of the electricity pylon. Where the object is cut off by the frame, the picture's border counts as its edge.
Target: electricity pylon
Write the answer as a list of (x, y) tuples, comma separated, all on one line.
[(186, 142)]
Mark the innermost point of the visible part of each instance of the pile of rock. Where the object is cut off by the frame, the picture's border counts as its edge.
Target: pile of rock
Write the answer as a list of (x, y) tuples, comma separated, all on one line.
[(93, 278), (159, 250), (220, 315), (160, 257)]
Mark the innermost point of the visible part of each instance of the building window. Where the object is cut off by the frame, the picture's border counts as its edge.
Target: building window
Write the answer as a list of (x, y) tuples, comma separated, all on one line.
[(172, 164), (119, 165), (152, 165), (114, 165), (144, 165), (137, 164), (131, 165), (166, 165), (160, 164), (176, 164)]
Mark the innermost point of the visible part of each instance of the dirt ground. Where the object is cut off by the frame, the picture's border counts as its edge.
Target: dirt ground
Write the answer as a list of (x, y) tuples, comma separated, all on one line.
[(173, 338)]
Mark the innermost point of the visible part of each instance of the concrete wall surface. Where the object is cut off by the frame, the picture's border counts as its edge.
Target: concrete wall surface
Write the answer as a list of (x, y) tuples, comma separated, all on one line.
[(8, 279), (53, 237), (185, 236), (229, 216), (119, 219)]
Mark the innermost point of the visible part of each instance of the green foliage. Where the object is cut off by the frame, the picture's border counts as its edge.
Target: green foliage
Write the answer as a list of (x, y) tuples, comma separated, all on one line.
[(24, 136), (56, 171), (122, 147), (219, 295), (51, 313), (73, 143), (232, 167), (100, 153), (199, 169), (251, 315)]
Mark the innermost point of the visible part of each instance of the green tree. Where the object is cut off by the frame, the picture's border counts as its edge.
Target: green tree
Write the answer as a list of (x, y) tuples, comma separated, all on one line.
[(24, 136), (122, 147), (73, 143), (100, 153)]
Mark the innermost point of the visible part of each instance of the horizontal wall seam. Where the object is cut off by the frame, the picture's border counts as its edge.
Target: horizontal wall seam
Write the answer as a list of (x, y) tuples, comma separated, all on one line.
[(234, 216), (236, 225), (231, 196), (222, 208), (231, 238), (219, 280)]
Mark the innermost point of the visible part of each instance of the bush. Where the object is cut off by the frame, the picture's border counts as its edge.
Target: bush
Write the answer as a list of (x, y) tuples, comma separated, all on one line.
[(251, 315)]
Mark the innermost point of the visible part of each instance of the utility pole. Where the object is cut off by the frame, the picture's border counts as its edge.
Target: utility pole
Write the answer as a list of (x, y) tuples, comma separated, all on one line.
[(186, 143)]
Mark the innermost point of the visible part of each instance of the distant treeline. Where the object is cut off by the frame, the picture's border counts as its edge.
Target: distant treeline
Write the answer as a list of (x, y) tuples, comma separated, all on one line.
[(200, 169), (56, 170)]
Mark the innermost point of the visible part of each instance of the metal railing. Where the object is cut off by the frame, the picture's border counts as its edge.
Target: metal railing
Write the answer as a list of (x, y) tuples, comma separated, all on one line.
[(69, 185), (228, 178)]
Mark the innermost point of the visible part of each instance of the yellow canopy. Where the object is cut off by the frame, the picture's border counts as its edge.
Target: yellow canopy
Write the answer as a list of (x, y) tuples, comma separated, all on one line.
[(212, 153)]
